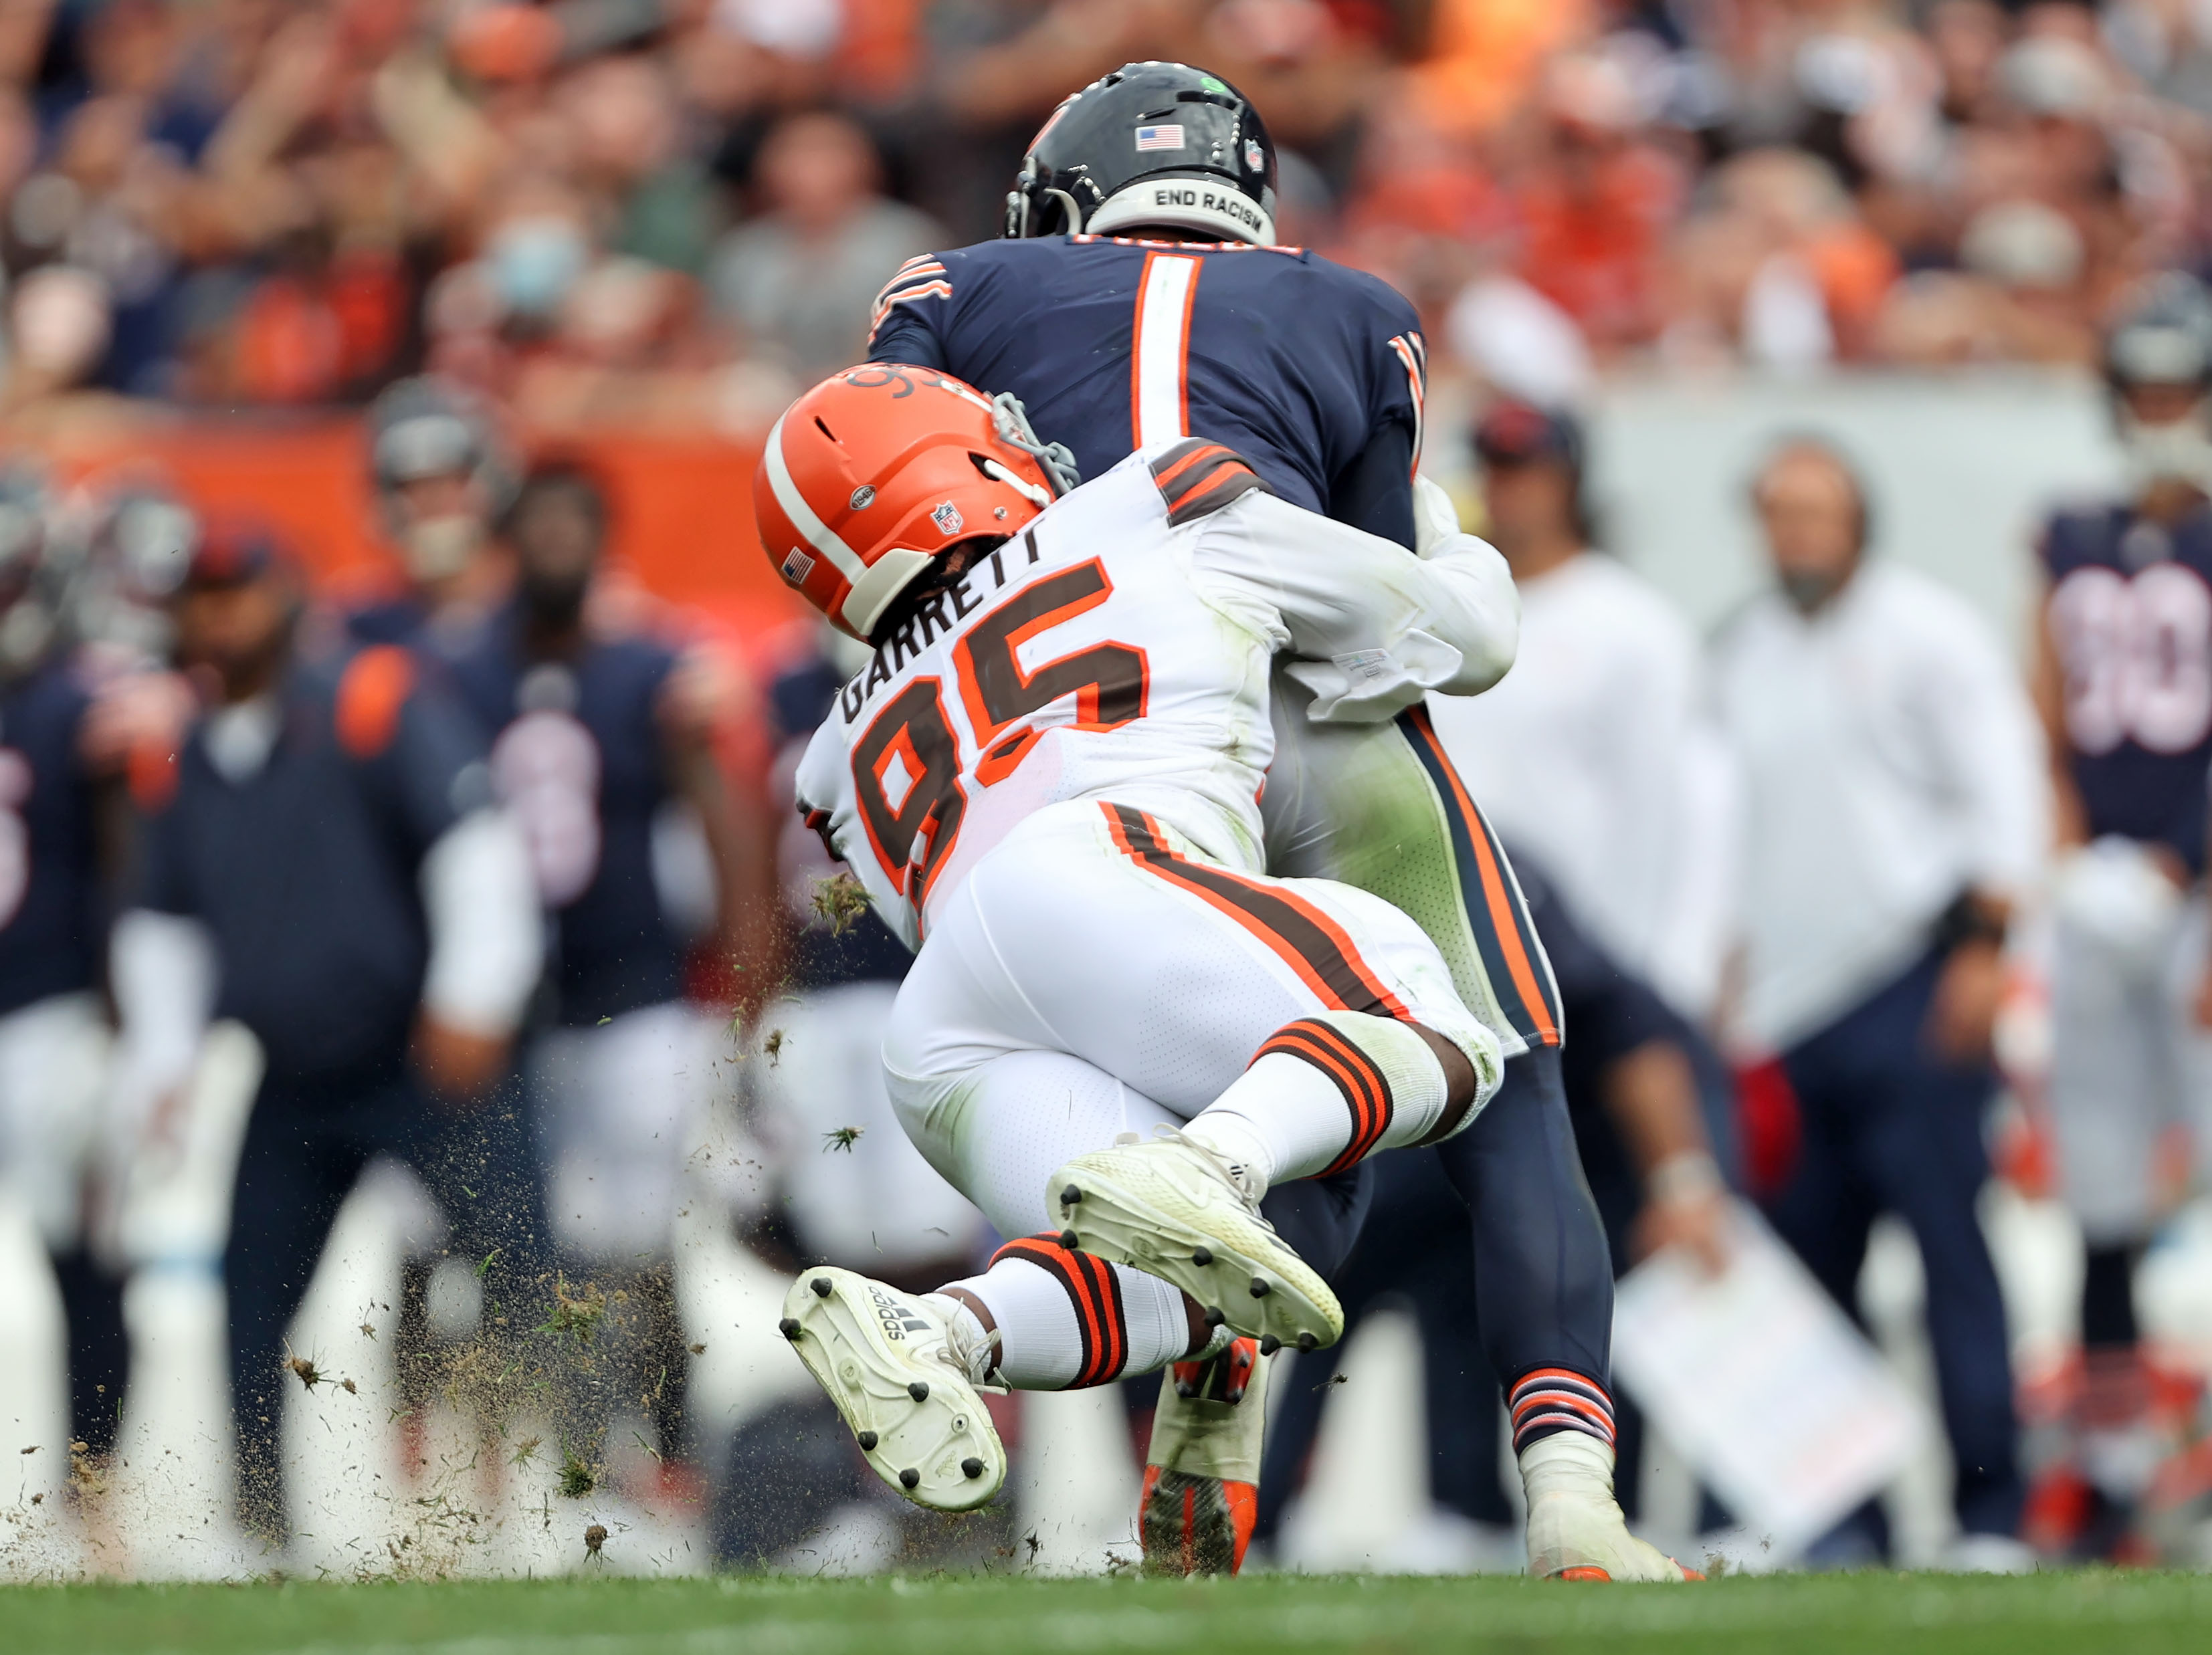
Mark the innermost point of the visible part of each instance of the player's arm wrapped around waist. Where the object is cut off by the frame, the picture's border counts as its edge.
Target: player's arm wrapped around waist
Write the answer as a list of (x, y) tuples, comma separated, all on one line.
[(1369, 627)]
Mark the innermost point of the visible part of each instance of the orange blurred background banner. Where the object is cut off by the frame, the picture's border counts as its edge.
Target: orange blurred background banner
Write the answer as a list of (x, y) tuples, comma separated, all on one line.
[(681, 506)]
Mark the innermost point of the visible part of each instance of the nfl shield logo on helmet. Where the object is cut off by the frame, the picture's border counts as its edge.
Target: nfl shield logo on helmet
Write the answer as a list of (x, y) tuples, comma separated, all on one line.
[(948, 520), (1253, 160), (797, 566)]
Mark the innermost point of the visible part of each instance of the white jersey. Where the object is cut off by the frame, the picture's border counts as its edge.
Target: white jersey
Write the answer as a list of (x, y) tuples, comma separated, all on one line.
[(1119, 648)]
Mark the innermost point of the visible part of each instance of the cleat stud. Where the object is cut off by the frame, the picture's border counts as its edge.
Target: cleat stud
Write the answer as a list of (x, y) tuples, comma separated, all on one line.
[(1213, 1316), (971, 1468), (910, 1478), (919, 1391), (1185, 1388), (1070, 1195), (1307, 1341), (868, 1439), (788, 1327), (1071, 1240), (1269, 1345), (821, 1286), (1259, 1287), (1201, 1256)]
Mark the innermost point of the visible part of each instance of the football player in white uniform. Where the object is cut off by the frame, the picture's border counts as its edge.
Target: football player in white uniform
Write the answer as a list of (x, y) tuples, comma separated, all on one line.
[(1048, 778)]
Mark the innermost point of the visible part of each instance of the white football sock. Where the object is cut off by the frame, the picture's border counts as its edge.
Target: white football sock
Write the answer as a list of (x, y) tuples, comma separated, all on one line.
[(1325, 1092), (1067, 1320)]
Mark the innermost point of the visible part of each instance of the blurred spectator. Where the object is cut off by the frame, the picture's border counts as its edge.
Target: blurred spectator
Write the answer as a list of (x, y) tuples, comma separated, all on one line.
[(1583, 751), (1593, 208), (1896, 810), (1776, 267), (279, 207), (2017, 297), (327, 869), (801, 277)]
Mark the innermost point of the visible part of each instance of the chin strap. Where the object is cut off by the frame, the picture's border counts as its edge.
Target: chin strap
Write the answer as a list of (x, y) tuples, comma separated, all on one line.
[(1056, 458)]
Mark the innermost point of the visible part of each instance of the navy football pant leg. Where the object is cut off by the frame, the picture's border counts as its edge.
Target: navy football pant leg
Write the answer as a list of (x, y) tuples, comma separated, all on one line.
[(98, 1347), (1889, 1129), (1414, 1248), (294, 1170), (1321, 1218), (1543, 1279)]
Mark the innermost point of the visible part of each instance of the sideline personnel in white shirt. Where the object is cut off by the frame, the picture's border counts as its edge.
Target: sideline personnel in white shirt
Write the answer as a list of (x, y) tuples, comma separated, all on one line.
[(1896, 805), (1596, 756)]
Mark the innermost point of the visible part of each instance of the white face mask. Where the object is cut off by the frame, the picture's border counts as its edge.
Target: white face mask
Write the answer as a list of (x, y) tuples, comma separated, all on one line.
[(440, 548), (2176, 451)]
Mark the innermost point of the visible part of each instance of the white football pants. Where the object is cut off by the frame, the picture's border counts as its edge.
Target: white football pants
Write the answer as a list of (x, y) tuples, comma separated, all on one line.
[(1097, 974)]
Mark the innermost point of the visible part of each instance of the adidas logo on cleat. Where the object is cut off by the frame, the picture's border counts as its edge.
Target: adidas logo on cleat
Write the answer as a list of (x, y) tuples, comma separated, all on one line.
[(897, 1320)]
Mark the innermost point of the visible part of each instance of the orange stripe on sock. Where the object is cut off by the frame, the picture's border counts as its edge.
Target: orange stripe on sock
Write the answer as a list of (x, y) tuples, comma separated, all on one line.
[(1102, 1337), (1366, 1089)]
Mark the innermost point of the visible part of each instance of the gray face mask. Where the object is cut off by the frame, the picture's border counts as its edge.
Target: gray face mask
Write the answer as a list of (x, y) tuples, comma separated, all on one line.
[(2178, 451), (440, 548)]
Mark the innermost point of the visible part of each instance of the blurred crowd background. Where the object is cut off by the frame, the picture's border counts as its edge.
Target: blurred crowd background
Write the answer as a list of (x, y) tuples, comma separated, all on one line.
[(674, 211), (621, 235)]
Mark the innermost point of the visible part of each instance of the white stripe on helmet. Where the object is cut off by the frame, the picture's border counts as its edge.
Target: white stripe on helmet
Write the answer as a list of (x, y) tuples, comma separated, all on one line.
[(818, 535)]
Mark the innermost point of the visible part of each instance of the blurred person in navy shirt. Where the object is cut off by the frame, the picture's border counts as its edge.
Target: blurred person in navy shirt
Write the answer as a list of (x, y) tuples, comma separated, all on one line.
[(328, 870)]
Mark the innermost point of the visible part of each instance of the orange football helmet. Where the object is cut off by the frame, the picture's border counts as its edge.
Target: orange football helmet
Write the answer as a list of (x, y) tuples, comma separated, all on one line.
[(881, 469)]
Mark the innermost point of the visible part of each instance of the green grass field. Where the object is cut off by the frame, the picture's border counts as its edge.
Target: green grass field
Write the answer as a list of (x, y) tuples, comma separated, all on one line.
[(1890, 1614)]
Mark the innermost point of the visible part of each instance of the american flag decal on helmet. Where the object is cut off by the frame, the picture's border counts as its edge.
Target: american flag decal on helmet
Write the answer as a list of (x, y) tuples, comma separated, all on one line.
[(797, 566), (1159, 138)]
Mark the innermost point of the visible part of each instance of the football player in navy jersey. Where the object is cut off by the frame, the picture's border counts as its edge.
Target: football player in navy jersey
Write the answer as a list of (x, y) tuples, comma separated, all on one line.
[(2124, 679), (62, 756), (1139, 296), (602, 750), (441, 476), (325, 866)]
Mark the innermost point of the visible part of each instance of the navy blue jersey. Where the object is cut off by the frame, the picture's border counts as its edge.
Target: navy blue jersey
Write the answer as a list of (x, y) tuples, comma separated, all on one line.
[(388, 620), (578, 758), (304, 869), (800, 697), (1314, 373), (50, 895), (2130, 617)]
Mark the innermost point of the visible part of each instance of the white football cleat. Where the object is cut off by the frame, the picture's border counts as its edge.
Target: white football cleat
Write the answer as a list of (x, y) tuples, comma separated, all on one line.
[(1576, 1531), (903, 1376), (1173, 1208)]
